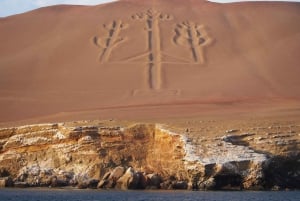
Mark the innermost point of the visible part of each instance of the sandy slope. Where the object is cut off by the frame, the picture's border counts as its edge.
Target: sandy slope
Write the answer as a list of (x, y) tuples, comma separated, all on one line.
[(149, 59)]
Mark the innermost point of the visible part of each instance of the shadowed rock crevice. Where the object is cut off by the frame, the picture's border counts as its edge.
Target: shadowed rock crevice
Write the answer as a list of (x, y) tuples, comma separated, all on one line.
[(282, 172)]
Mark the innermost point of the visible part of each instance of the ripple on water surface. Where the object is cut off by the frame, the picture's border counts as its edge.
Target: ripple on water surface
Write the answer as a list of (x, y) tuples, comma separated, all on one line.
[(96, 195)]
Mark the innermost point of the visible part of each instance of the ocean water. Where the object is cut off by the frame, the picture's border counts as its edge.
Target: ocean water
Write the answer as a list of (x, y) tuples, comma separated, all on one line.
[(100, 195)]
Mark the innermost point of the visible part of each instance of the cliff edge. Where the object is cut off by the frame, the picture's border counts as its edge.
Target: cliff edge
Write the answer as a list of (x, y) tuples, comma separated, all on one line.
[(140, 156)]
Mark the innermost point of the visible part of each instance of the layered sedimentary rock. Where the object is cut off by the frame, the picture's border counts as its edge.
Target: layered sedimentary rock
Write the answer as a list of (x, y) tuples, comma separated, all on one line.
[(143, 156), (58, 155)]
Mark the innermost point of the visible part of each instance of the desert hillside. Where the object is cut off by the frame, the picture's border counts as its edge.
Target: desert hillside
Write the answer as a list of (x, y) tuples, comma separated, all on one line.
[(138, 59)]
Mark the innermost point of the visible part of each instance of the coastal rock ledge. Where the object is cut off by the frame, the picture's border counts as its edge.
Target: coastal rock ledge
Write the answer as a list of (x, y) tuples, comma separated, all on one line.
[(145, 156)]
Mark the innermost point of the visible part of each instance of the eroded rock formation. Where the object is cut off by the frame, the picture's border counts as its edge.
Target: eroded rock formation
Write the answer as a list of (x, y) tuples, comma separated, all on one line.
[(143, 156)]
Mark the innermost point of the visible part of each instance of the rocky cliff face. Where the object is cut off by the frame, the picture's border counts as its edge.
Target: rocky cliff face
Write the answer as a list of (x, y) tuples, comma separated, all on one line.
[(144, 156)]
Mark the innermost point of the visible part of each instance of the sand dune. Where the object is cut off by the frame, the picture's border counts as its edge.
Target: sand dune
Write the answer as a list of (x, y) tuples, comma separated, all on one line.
[(149, 59)]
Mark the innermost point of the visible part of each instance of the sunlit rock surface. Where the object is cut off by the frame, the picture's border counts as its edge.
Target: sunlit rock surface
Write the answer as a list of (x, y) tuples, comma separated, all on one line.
[(141, 156)]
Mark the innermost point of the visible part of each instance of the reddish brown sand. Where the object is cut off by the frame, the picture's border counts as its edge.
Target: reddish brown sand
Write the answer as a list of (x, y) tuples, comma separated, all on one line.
[(150, 60)]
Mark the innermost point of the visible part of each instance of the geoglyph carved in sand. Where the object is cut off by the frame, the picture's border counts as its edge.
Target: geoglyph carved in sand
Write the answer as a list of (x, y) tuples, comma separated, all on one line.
[(152, 18), (111, 41), (194, 37), (187, 34)]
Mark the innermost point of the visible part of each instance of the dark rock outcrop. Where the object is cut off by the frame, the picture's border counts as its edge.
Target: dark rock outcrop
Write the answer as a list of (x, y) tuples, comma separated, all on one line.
[(6, 182)]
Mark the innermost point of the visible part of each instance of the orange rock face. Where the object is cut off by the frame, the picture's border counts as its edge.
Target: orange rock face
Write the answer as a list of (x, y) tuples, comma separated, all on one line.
[(155, 157), (72, 154)]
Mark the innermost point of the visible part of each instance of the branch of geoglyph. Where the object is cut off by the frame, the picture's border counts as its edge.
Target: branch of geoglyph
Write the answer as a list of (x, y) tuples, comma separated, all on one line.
[(113, 39), (139, 16), (110, 40), (189, 32), (150, 15)]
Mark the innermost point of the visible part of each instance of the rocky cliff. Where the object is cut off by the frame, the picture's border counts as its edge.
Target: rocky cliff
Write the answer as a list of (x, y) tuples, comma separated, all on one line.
[(140, 156)]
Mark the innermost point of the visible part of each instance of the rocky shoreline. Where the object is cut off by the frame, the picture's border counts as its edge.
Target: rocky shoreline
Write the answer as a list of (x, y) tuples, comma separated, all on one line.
[(144, 156)]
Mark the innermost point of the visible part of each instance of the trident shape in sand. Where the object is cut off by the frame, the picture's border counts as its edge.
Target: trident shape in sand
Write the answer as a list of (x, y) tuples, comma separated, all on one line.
[(154, 53), (189, 35)]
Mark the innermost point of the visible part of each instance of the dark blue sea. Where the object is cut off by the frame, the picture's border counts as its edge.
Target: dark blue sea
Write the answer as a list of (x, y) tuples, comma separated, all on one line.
[(97, 195)]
